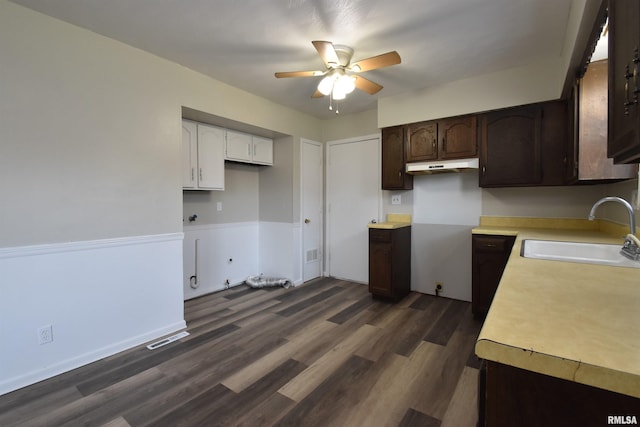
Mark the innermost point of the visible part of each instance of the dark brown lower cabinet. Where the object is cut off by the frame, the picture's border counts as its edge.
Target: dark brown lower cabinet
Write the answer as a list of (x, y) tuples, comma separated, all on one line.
[(390, 262), (489, 257), (517, 397)]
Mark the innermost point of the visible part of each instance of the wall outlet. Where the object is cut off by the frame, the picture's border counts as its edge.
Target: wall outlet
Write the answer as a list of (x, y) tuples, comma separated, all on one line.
[(396, 199), (219, 206), (45, 334), (439, 287)]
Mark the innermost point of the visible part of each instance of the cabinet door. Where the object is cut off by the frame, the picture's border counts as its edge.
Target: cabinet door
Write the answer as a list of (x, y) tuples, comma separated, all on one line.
[(457, 138), (489, 257), (510, 147), (553, 140), (624, 81), (592, 127), (394, 176), (239, 146), (189, 154), (422, 141), (380, 274), (262, 150), (210, 157), (571, 147)]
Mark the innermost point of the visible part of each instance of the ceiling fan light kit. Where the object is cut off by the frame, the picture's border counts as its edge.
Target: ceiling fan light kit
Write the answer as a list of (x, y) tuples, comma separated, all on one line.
[(340, 76), (338, 84)]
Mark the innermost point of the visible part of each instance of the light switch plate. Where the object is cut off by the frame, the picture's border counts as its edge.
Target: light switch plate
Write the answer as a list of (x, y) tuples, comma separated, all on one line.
[(396, 199), (219, 206)]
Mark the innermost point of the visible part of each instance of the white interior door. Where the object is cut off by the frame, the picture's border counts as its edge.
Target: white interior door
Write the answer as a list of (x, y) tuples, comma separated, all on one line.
[(312, 215), (353, 200)]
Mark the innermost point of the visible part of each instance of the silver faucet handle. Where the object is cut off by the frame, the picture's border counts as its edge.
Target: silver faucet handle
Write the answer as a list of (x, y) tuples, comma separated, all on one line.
[(631, 247)]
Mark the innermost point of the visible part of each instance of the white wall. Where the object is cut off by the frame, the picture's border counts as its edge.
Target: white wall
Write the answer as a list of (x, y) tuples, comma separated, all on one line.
[(90, 151), (225, 252), (100, 297), (540, 81), (238, 202), (445, 209), (90, 131)]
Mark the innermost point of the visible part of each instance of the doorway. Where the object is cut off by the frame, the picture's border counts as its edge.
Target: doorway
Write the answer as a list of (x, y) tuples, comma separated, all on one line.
[(353, 201), (312, 187)]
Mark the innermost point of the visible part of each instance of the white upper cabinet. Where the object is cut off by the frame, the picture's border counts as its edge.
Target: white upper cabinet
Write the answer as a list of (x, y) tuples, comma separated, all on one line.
[(262, 150), (202, 156), (242, 147), (210, 157), (239, 146), (189, 154)]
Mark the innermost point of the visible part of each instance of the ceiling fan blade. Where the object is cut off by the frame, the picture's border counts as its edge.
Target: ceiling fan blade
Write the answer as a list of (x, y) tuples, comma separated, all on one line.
[(317, 94), (367, 85), (299, 74), (375, 62), (327, 52)]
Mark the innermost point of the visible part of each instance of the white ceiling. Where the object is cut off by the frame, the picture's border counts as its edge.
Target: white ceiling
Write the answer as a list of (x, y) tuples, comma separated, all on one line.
[(243, 42)]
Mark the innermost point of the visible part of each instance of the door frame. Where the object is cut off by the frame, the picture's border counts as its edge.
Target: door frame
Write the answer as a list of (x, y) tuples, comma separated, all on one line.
[(328, 145), (322, 212)]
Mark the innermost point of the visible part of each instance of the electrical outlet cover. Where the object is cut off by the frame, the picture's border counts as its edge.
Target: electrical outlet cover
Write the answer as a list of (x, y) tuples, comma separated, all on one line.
[(45, 334)]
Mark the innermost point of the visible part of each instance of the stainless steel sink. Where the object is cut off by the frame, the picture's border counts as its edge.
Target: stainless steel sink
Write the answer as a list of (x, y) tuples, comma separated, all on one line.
[(584, 253)]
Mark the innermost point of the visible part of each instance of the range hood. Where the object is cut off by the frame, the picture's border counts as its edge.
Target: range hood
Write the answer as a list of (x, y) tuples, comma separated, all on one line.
[(441, 166)]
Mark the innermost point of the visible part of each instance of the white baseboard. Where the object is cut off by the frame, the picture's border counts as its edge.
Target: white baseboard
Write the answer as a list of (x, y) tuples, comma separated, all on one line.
[(84, 359)]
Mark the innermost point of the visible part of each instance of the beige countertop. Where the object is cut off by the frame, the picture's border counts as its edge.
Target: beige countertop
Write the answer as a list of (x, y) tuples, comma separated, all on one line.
[(394, 220), (580, 322)]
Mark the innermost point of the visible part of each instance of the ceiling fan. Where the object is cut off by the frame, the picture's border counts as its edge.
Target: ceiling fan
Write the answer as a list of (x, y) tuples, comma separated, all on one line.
[(341, 75)]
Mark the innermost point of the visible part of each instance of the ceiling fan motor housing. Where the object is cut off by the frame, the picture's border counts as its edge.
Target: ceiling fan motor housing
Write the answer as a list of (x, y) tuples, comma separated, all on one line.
[(344, 53)]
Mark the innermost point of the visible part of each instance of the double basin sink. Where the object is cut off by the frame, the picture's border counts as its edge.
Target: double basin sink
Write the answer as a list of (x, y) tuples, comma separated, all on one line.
[(585, 253)]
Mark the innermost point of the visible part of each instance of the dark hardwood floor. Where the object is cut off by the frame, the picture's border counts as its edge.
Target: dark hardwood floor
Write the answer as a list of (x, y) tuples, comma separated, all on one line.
[(322, 354)]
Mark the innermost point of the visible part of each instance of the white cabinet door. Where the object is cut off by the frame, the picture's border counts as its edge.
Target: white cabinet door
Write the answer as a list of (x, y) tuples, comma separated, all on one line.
[(239, 146), (189, 154), (210, 157), (262, 151)]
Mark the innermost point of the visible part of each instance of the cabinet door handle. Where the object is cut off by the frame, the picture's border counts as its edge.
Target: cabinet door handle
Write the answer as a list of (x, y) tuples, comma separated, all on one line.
[(636, 62), (433, 145), (627, 100), (193, 174), (200, 174), (399, 174), (484, 170)]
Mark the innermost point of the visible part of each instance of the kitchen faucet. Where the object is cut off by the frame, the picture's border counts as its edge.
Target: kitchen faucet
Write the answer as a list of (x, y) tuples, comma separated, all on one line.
[(631, 247)]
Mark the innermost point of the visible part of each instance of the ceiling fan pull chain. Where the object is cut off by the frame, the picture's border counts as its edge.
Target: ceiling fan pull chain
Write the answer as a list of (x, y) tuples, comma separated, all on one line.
[(330, 101)]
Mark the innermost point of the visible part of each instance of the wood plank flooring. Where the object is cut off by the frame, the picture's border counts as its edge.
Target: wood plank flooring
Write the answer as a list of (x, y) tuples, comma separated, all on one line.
[(322, 354)]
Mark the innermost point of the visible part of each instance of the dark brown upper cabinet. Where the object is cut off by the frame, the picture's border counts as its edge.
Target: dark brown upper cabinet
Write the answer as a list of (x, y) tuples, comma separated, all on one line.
[(453, 138), (422, 141), (394, 176), (510, 147), (524, 146), (624, 81), (587, 154)]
